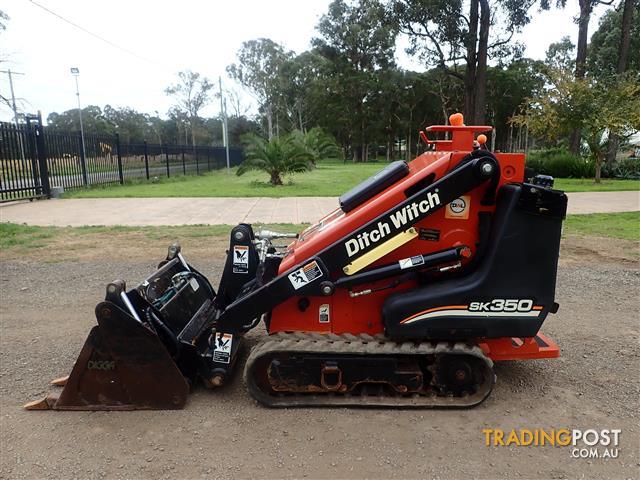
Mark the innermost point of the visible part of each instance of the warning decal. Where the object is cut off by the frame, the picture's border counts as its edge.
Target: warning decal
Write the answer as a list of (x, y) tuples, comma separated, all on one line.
[(411, 262), (222, 348), (323, 313), (304, 275), (458, 208), (240, 259)]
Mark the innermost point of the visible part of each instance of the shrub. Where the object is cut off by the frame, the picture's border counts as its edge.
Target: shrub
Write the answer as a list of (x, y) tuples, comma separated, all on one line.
[(627, 168), (560, 163), (277, 157)]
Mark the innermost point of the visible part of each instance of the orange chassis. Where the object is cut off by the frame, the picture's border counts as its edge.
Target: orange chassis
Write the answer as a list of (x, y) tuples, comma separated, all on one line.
[(350, 315)]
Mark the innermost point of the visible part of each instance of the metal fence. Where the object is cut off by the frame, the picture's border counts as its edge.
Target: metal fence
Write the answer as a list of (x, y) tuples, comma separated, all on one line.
[(34, 159)]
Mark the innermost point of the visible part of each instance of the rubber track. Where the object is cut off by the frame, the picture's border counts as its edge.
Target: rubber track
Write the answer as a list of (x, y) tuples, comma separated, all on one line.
[(332, 344)]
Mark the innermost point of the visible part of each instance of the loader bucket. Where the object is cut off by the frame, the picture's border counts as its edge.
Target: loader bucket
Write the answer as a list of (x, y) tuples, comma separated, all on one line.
[(123, 365)]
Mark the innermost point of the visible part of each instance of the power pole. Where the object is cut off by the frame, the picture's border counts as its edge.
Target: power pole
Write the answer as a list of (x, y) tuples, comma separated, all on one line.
[(83, 153), (226, 133), (14, 107), (223, 113)]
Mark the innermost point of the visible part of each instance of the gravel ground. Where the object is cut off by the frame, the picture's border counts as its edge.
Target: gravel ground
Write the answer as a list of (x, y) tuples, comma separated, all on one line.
[(47, 310)]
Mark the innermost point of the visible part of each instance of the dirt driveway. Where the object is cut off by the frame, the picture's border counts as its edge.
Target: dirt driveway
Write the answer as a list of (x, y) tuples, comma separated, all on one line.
[(47, 309)]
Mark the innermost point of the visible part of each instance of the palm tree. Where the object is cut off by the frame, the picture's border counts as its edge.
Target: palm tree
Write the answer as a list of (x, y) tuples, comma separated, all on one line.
[(277, 157), (319, 143)]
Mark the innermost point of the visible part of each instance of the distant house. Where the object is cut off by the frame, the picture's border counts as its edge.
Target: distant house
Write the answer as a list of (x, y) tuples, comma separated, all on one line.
[(634, 146)]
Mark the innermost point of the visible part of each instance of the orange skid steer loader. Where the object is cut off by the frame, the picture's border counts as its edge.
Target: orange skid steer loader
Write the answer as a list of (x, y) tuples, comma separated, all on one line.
[(404, 296)]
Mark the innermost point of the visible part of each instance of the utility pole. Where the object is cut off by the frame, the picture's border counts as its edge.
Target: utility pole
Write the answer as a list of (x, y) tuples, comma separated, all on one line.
[(75, 71), (14, 107), (226, 133), (223, 112)]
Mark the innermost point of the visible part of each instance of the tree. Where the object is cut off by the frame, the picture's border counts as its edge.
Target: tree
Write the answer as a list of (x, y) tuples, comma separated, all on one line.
[(192, 93), (445, 36), (615, 49), (508, 88), (92, 118), (4, 18), (594, 109), (258, 69), (300, 75), (318, 143), (358, 43), (586, 8), (277, 156)]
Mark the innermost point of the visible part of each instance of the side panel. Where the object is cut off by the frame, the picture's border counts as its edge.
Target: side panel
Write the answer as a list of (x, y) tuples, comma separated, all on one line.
[(438, 231), (511, 292)]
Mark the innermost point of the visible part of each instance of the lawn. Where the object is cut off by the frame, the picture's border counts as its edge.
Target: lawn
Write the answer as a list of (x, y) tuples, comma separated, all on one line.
[(617, 225), (588, 185), (329, 179), (16, 239), (25, 237)]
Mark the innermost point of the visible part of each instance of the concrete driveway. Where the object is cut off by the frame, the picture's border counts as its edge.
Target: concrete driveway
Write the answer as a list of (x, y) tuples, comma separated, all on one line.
[(230, 211)]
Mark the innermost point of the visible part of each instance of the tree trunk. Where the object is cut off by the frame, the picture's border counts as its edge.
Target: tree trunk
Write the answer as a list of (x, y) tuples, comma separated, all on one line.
[(494, 134), (470, 74), (625, 40), (275, 178), (300, 119), (193, 133), (581, 61), (598, 167), (481, 69), (623, 64), (583, 37), (269, 114)]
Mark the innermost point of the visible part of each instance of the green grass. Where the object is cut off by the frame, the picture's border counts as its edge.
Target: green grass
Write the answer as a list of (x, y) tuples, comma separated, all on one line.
[(26, 237), (329, 179), (588, 185), (617, 225), (14, 235)]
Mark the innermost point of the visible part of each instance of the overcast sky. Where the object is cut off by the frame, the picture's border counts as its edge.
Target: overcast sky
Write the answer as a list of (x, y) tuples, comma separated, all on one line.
[(164, 38)]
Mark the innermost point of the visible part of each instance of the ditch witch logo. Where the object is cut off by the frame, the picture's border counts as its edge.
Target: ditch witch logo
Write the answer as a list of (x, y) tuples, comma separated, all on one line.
[(400, 218)]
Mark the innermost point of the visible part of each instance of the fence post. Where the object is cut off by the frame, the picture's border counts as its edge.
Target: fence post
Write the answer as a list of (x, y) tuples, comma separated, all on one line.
[(197, 165), (208, 159), (42, 161), (166, 154), (184, 167), (120, 173), (83, 160), (146, 159)]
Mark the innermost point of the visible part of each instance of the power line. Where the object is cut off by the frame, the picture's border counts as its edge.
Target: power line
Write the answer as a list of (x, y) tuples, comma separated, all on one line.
[(88, 32)]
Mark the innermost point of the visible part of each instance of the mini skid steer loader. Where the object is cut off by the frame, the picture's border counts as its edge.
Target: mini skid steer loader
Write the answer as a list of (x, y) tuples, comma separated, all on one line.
[(404, 296)]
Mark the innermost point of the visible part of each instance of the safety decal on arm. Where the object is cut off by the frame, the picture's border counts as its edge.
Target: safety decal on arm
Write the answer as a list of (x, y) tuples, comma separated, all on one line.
[(307, 274), (240, 259), (222, 347)]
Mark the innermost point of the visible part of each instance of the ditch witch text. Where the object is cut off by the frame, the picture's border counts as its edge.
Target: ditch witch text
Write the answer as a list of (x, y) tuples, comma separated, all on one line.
[(400, 218)]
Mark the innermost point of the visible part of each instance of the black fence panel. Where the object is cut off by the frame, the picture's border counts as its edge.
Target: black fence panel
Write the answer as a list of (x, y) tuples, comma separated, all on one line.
[(20, 175), (34, 158)]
